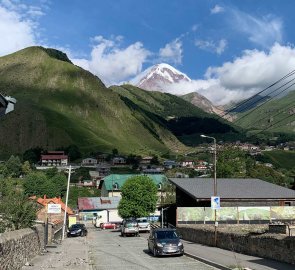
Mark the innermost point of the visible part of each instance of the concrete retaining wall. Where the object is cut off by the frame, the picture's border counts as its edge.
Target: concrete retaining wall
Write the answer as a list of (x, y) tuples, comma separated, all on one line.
[(277, 247)]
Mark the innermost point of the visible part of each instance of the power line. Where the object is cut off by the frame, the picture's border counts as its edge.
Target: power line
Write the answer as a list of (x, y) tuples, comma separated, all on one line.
[(257, 94), (275, 123), (257, 107), (267, 116)]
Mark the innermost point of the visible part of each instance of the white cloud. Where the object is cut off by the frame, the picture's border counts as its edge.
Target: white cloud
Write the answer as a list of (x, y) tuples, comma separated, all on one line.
[(211, 46), (111, 62), (264, 31), (16, 32), (251, 72), (217, 9), (172, 52)]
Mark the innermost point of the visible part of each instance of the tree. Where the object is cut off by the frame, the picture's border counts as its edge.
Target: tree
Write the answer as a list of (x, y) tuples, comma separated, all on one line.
[(231, 162), (168, 193), (14, 166), (34, 184), (17, 212), (26, 168), (33, 155), (139, 197), (37, 183)]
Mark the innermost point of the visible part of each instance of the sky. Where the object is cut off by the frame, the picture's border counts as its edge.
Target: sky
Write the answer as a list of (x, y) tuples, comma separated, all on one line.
[(230, 49)]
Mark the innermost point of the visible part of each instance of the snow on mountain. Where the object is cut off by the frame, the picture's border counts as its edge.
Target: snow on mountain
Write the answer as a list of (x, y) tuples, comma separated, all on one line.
[(157, 77), (166, 79)]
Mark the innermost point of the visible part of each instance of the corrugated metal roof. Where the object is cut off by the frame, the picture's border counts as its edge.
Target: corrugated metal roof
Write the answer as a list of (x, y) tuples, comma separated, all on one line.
[(120, 179), (232, 188), (98, 203)]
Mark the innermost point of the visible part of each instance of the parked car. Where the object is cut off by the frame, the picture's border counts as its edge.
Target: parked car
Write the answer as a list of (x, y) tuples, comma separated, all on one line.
[(129, 227), (143, 225), (110, 225), (165, 241), (77, 230)]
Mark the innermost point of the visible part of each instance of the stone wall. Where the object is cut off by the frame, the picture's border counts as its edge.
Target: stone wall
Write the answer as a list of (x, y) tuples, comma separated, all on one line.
[(277, 247), (18, 247)]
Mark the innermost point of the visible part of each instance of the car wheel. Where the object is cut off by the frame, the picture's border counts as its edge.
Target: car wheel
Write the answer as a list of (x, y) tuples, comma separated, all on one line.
[(154, 252)]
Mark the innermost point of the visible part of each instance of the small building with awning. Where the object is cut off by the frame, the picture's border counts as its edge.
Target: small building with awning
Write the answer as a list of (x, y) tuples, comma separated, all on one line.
[(241, 200)]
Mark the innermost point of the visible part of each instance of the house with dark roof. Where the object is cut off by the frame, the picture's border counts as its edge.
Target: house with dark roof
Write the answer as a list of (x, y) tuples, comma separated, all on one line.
[(197, 192), (241, 201)]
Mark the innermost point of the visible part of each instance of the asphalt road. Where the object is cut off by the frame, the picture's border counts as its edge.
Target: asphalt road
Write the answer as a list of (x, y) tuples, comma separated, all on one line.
[(108, 250)]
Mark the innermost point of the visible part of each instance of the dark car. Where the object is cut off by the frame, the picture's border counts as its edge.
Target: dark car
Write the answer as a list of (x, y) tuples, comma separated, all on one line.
[(165, 241), (77, 230)]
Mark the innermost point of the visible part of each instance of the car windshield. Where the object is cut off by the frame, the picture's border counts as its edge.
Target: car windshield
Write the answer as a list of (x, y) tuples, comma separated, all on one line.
[(166, 235), (142, 220), (76, 226)]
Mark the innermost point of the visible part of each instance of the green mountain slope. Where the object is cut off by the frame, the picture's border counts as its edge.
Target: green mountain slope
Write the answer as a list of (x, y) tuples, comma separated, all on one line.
[(180, 117), (278, 115), (59, 104)]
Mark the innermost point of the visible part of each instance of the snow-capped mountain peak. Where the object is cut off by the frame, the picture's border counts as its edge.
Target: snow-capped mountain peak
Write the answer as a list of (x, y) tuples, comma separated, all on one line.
[(157, 76)]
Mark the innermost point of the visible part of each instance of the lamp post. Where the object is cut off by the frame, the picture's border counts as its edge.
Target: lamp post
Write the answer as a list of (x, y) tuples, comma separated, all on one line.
[(66, 207), (215, 187)]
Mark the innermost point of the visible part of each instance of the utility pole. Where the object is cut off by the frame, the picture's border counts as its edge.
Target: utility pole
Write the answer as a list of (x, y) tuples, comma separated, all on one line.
[(214, 187), (66, 207)]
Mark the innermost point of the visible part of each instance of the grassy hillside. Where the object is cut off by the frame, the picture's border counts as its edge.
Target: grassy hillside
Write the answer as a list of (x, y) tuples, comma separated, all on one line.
[(281, 159), (182, 118), (280, 111), (59, 104)]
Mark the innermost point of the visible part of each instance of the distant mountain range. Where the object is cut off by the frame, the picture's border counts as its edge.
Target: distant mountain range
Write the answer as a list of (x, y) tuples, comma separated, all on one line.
[(59, 104), (161, 77)]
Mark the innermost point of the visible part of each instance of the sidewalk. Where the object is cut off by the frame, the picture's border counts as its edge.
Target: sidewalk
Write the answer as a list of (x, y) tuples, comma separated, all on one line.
[(72, 254), (225, 259)]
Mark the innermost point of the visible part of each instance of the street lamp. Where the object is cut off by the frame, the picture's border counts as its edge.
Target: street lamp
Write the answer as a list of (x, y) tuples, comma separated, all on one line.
[(66, 207), (215, 186)]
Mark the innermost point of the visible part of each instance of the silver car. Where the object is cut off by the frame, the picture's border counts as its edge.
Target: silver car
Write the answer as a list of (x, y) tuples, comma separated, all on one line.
[(129, 227), (143, 225)]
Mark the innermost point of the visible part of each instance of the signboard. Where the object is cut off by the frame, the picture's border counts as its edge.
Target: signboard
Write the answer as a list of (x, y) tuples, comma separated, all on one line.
[(72, 220), (53, 208), (215, 202)]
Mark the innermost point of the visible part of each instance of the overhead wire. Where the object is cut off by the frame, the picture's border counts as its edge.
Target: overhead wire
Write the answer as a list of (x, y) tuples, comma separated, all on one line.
[(291, 73), (267, 116), (281, 120), (270, 99)]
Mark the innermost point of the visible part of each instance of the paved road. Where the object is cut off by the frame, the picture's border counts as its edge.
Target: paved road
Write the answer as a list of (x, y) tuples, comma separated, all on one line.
[(108, 250)]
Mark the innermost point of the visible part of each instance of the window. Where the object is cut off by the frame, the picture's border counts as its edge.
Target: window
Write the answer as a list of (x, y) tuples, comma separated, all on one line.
[(116, 186)]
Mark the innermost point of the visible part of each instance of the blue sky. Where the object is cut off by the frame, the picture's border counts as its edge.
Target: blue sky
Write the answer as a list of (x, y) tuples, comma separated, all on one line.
[(230, 49)]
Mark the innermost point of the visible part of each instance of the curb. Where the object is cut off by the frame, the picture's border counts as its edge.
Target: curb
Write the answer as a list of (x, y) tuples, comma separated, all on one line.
[(216, 265)]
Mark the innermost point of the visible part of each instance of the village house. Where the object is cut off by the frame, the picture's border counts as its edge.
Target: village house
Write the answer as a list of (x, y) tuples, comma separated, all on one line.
[(117, 161), (170, 164), (54, 158), (89, 162), (111, 185), (102, 209), (188, 163), (42, 212)]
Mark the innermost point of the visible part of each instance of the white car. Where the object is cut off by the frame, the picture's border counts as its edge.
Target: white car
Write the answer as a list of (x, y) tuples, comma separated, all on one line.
[(143, 225)]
